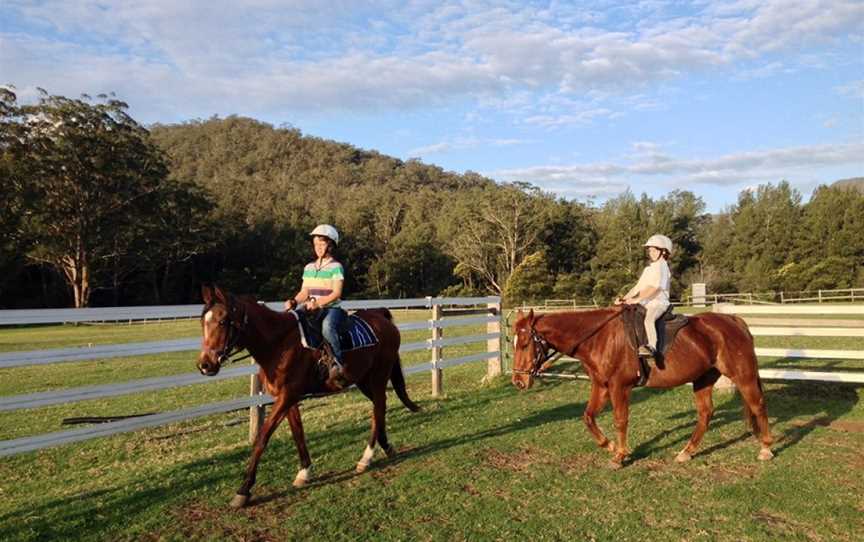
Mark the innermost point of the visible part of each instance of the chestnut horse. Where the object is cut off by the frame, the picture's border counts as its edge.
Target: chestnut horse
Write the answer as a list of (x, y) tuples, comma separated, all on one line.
[(289, 371), (710, 345)]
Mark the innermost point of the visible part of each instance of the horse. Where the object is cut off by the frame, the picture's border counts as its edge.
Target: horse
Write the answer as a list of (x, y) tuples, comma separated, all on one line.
[(289, 371), (710, 345)]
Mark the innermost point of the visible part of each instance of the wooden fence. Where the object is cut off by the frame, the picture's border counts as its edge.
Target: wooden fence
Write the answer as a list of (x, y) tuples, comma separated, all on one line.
[(482, 311), (802, 327)]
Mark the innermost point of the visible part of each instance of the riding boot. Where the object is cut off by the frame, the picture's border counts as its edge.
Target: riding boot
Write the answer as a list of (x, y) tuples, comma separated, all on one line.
[(336, 380)]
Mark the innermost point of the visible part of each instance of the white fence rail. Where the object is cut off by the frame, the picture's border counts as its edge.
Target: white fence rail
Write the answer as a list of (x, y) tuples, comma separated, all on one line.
[(798, 330), (437, 344)]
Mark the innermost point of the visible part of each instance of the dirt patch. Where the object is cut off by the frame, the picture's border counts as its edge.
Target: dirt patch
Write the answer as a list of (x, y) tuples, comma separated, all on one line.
[(579, 463), (522, 460), (783, 527), (837, 425), (731, 473)]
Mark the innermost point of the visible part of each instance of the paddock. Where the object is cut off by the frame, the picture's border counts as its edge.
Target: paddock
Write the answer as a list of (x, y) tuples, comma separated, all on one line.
[(481, 462)]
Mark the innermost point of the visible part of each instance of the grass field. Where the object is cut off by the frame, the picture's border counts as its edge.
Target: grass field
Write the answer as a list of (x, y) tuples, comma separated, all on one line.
[(482, 463)]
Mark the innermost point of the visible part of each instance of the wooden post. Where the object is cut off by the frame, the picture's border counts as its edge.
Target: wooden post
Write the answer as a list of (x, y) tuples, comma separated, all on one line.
[(256, 412), (494, 367), (437, 353)]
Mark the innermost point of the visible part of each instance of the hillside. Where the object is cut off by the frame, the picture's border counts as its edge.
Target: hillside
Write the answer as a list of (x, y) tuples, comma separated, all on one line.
[(856, 183), (254, 167)]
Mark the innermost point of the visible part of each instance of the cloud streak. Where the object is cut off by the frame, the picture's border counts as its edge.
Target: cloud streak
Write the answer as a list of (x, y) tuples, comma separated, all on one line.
[(300, 55), (604, 179)]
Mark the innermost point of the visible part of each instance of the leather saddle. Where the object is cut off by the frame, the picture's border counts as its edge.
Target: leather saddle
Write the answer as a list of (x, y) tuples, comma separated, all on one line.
[(355, 332), (668, 326)]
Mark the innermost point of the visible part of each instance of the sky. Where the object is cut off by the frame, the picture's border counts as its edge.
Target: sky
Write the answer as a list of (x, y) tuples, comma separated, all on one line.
[(584, 99)]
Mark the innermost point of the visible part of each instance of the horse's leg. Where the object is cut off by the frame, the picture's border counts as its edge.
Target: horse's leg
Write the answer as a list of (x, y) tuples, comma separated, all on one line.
[(277, 414), (620, 396), (378, 433), (754, 408), (702, 389), (599, 396), (300, 441)]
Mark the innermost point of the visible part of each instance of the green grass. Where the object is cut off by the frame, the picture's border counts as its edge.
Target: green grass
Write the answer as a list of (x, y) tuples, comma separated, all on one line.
[(482, 463)]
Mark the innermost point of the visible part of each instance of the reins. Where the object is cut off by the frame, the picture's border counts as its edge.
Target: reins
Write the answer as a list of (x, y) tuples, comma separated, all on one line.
[(235, 330), (543, 351)]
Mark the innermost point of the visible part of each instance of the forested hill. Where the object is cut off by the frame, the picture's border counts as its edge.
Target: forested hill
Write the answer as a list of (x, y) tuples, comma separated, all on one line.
[(147, 216), (856, 183), (255, 168)]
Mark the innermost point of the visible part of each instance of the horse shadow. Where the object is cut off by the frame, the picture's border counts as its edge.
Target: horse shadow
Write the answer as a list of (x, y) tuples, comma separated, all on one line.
[(795, 409)]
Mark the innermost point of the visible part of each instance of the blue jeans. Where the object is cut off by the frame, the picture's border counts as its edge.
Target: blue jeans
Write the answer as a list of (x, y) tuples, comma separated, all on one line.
[(332, 320), (334, 317)]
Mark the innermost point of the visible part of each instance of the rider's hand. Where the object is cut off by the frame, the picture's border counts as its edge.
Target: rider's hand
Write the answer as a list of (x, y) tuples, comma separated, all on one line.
[(311, 304), (618, 301), (291, 304)]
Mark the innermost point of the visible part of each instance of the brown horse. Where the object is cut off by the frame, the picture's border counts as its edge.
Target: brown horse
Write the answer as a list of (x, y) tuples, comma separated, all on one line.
[(289, 371), (709, 346)]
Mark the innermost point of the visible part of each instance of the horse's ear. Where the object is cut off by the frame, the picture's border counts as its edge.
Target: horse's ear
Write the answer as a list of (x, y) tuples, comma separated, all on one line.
[(220, 295), (531, 315), (206, 294)]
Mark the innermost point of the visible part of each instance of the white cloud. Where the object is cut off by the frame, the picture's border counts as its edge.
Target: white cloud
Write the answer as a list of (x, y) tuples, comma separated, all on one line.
[(303, 54), (726, 170), (854, 89), (463, 143)]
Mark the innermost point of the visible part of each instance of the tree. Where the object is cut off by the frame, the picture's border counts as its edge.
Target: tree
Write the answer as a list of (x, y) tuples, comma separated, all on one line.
[(492, 230), (531, 280), (93, 175)]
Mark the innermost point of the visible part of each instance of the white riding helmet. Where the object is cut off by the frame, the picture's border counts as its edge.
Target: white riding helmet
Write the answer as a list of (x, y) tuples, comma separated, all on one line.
[(326, 230), (659, 241)]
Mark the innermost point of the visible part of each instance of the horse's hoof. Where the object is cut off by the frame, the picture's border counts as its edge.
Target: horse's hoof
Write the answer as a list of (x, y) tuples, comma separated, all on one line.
[(683, 457), (766, 454), (361, 467), (391, 452), (610, 446), (299, 482), (614, 464), (239, 501)]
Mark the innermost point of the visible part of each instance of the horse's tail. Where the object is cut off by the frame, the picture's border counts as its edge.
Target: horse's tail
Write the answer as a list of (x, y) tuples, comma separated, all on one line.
[(398, 380)]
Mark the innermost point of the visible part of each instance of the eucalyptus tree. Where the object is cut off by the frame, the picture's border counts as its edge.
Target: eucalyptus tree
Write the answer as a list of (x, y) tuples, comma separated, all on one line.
[(93, 177)]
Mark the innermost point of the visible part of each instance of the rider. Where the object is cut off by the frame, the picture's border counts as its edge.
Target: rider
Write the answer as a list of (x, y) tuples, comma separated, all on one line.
[(652, 290), (322, 289)]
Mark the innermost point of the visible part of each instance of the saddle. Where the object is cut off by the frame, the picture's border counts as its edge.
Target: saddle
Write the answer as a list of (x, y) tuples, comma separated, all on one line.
[(355, 333), (668, 326)]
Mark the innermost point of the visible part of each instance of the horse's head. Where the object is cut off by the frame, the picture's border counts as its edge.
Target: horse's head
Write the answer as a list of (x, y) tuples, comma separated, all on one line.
[(529, 350), (222, 324)]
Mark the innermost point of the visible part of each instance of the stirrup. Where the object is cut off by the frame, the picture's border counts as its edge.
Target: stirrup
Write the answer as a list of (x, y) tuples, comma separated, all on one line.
[(646, 351)]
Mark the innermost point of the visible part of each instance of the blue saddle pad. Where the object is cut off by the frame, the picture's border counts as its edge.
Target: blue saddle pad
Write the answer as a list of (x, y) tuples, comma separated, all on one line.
[(356, 333)]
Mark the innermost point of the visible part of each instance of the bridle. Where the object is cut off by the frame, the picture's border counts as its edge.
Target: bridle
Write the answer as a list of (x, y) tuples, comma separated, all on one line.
[(234, 330), (543, 351)]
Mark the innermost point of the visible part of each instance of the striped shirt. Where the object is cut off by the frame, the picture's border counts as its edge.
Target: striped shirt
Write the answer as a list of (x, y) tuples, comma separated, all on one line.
[(320, 281)]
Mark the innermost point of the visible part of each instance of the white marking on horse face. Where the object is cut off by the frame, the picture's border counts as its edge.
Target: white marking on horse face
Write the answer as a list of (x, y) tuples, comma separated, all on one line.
[(208, 316), (515, 341)]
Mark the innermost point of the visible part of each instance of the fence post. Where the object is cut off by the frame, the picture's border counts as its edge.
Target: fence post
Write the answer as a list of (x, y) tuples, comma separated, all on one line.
[(820, 296), (437, 333), (494, 367), (256, 412)]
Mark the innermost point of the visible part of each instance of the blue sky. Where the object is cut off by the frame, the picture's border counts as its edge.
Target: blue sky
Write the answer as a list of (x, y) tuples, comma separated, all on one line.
[(585, 99)]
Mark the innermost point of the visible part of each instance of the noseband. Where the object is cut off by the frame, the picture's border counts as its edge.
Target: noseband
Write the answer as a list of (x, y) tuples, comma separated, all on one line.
[(234, 331), (542, 353)]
